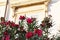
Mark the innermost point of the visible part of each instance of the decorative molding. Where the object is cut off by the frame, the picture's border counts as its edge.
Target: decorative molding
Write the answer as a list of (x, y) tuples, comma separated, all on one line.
[(16, 5), (2, 3), (28, 5), (29, 11), (20, 2)]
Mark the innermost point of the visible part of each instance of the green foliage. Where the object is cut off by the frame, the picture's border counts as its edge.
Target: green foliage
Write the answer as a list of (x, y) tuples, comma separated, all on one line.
[(14, 33), (58, 38), (45, 25), (32, 25)]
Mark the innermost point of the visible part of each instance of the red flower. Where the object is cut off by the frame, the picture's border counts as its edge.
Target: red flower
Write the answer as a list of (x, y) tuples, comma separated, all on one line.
[(7, 37), (7, 23), (3, 23), (13, 24), (29, 35), (29, 20), (39, 32), (5, 33), (22, 17), (17, 25)]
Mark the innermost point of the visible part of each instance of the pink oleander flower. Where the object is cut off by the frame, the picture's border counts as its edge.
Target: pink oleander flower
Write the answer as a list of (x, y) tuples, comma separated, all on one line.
[(39, 32), (3, 23), (12, 24), (17, 25), (7, 37), (5, 33), (29, 35), (22, 17), (29, 20), (7, 23)]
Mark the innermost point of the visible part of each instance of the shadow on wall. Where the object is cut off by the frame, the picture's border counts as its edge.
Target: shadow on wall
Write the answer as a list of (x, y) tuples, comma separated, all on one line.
[(52, 2)]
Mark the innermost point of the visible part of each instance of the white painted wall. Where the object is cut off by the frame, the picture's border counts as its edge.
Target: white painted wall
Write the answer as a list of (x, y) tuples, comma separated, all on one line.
[(2, 10), (54, 10)]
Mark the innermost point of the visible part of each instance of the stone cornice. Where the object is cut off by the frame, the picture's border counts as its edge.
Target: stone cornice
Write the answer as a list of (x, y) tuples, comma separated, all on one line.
[(19, 3)]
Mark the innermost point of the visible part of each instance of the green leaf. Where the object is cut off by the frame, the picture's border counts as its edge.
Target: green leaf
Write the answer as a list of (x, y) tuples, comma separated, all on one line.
[(58, 38)]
